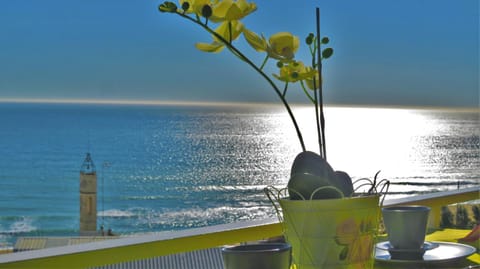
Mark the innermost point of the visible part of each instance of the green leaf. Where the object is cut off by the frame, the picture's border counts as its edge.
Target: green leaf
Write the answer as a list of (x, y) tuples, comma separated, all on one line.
[(326, 53), (167, 7), (325, 40)]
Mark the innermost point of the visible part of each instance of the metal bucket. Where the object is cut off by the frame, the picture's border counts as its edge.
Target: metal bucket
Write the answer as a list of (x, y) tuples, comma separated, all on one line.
[(332, 233), (257, 256)]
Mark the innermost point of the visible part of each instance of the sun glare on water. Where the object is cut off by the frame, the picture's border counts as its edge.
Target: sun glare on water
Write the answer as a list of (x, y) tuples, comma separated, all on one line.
[(362, 141)]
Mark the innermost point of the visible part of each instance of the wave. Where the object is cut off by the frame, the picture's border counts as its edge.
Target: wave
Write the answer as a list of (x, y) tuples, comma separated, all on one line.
[(442, 183), (145, 197), (197, 189), (20, 225), (413, 192), (116, 213)]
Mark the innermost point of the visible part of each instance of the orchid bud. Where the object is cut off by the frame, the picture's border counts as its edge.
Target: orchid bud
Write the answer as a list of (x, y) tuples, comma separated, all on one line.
[(207, 11), (185, 6), (326, 53), (309, 39), (167, 7)]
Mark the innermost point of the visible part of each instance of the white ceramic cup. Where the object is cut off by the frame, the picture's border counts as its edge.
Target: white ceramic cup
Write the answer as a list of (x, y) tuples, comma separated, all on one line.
[(406, 225)]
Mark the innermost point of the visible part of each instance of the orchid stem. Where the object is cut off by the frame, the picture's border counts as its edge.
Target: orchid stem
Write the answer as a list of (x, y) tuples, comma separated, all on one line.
[(285, 89), (264, 62), (323, 147)]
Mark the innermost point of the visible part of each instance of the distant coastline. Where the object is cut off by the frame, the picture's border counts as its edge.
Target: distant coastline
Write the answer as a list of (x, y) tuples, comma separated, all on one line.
[(219, 104)]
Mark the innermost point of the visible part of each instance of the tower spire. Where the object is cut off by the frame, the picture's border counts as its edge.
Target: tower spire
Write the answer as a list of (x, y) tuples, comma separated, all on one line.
[(88, 167)]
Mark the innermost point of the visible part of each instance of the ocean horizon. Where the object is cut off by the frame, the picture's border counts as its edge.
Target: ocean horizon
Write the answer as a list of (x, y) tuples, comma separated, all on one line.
[(154, 102), (174, 166)]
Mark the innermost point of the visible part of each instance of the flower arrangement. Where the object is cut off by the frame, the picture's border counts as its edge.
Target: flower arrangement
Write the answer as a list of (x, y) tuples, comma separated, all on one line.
[(311, 175), (340, 232), (222, 19)]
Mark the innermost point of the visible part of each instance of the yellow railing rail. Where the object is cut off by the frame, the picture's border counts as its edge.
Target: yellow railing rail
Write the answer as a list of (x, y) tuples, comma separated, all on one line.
[(167, 243), (141, 247), (436, 201)]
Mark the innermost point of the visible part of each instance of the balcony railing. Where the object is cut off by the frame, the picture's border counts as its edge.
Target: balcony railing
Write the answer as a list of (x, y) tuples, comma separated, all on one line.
[(147, 246)]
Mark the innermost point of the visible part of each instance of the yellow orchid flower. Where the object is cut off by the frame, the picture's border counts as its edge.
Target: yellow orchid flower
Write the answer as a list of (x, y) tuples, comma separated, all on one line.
[(230, 10), (224, 31), (295, 71), (282, 46), (236, 28), (259, 43), (226, 10), (212, 47), (309, 80)]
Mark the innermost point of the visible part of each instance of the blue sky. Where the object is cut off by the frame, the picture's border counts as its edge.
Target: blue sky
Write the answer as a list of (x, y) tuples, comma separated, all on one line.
[(387, 52)]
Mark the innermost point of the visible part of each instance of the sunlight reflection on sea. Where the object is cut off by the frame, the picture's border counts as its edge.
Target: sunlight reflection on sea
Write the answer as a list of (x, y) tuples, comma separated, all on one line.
[(176, 167), (407, 145)]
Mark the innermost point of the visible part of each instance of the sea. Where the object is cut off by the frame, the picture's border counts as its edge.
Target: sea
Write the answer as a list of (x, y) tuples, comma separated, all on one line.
[(168, 167)]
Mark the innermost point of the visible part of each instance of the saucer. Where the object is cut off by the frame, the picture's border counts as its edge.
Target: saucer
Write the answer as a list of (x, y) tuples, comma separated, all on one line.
[(407, 254), (445, 252)]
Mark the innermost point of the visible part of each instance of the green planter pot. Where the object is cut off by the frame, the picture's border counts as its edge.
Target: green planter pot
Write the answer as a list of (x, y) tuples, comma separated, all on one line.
[(332, 233)]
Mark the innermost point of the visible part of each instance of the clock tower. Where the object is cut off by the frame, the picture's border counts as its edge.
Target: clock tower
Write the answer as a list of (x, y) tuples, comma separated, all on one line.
[(88, 197)]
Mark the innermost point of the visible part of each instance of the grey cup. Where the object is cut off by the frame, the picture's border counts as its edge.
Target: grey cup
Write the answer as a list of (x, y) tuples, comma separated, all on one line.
[(258, 256), (406, 225)]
